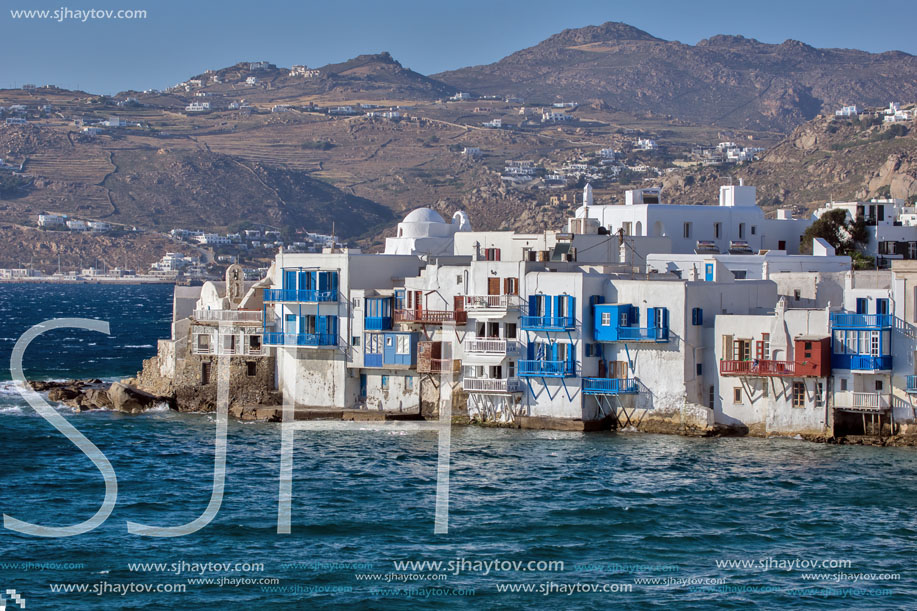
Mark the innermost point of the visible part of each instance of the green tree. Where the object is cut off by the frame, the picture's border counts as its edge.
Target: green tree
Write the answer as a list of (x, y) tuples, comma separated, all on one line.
[(847, 237)]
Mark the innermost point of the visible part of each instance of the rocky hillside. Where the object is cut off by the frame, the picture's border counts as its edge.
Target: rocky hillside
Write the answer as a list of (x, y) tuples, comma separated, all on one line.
[(821, 160), (727, 81)]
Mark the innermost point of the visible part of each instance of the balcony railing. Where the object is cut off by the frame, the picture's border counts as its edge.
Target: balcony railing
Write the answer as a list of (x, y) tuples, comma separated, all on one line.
[(492, 385), (548, 369), (492, 347), (300, 295), (912, 384), (861, 321), (548, 323), (438, 365), (431, 317), (300, 339), (377, 323), (237, 350), (643, 334), (227, 315), (865, 362), (610, 386), (476, 303), (861, 401), (758, 368)]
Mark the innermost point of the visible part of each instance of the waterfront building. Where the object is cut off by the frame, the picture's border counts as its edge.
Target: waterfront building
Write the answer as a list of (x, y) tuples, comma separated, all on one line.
[(583, 327)]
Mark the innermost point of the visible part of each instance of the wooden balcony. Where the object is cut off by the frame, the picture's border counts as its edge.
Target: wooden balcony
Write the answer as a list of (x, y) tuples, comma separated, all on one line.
[(760, 368), (492, 385), (431, 317)]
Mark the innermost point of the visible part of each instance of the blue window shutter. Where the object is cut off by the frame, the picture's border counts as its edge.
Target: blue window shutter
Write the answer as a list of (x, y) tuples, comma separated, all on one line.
[(334, 282), (571, 357), (571, 308), (289, 279), (320, 325), (862, 306), (530, 352), (333, 326), (554, 351), (651, 318), (588, 349), (533, 305)]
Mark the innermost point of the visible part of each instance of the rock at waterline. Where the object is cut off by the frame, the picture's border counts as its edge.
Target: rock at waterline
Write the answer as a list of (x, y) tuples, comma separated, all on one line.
[(131, 400)]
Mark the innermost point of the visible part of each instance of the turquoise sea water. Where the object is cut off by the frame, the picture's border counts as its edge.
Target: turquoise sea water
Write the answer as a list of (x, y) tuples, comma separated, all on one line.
[(609, 512)]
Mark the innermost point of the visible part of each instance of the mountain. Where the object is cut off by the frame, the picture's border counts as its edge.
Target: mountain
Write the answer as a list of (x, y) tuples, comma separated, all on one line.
[(728, 81), (822, 160)]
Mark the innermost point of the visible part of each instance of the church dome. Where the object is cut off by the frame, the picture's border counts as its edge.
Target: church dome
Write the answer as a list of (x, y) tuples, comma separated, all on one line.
[(423, 215)]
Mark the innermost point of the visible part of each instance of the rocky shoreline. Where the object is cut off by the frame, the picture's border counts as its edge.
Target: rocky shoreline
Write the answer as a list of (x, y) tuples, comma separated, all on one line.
[(84, 395)]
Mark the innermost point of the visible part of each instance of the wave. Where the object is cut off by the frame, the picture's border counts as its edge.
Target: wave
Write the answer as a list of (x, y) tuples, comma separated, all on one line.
[(138, 346)]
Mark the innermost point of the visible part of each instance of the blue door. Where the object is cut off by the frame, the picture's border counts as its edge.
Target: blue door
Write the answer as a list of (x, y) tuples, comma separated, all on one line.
[(862, 306), (362, 385)]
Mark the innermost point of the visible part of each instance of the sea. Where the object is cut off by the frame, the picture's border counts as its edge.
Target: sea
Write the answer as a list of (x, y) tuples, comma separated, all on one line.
[(537, 520)]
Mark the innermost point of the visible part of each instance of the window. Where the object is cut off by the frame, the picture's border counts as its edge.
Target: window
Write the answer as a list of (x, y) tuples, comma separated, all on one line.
[(510, 330), (737, 394), (389, 341), (510, 286), (764, 388), (843, 383), (251, 368), (796, 294), (819, 394), (355, 341), (403, 345), (754, 229), (799, 394), (205, 374), (697, 317), (881, 306), (878, 384), (606, 319), (588, 349), (711, 397), (384, 382), (741, 231), (687, 230), (458, 279), (717, 228), (409, 382), (740, 274), (700, 369)]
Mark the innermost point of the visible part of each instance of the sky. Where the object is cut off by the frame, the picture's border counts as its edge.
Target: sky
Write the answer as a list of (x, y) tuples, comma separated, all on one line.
[(181, 38)]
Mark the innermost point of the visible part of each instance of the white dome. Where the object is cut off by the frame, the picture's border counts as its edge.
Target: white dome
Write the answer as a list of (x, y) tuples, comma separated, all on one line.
[(423, 215)]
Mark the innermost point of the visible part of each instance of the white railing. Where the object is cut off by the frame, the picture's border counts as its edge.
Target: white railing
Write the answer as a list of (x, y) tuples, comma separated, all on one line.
[(863, 401), (492, 302), (227, 315), (217, 347), (496, 347), (506, 385)]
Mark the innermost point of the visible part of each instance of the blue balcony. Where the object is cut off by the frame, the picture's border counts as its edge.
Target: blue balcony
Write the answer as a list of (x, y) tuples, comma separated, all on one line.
[(610, 386), (861, 362), (841, 320), (546, 369), (548, 323), (912, 384), (643, 334), (300, 339), (299, 295), (377, 323)]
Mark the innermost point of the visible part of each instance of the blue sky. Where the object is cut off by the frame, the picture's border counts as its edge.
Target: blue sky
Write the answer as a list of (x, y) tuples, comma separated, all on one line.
[(181, 38)]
